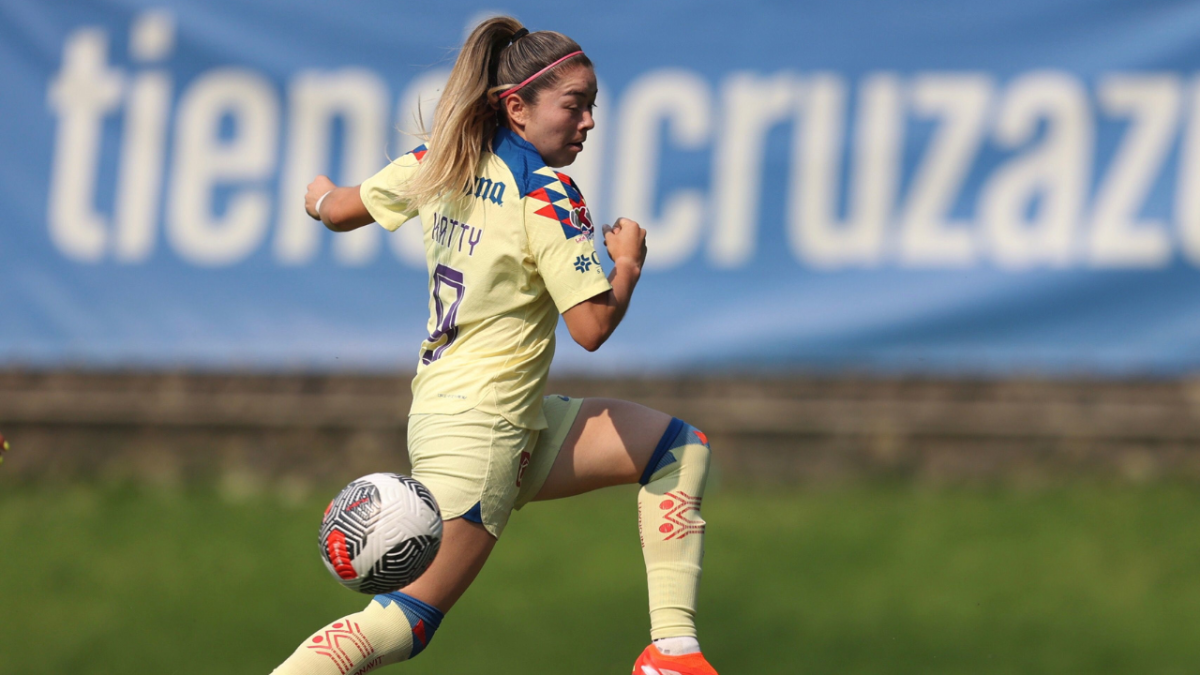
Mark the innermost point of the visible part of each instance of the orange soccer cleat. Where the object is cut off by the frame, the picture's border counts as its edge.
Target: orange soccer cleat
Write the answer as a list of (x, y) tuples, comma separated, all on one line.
[(654, 662)]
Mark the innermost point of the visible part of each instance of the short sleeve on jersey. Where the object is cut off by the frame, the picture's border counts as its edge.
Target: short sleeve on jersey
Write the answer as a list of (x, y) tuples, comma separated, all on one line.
[(560, 235), (378, 192)]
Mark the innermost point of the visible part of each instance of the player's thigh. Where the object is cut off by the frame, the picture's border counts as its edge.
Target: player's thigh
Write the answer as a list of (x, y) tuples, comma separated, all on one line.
[(610, 443), (464, 550), (470, 462)]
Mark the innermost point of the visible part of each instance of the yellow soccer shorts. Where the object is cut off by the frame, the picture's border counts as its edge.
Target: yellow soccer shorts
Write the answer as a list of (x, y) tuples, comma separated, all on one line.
[(481, 466)]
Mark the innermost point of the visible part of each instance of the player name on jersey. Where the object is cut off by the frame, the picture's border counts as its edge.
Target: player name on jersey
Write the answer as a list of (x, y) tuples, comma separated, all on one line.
[(453, 234)]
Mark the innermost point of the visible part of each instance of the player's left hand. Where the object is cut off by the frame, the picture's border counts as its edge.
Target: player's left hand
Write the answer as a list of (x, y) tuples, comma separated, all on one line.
[(625, 239)]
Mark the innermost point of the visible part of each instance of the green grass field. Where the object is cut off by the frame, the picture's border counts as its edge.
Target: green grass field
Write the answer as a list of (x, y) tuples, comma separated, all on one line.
[(1082, 579)]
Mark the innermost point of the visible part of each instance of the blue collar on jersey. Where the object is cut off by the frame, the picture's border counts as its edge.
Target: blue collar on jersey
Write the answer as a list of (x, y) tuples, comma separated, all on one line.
[(522, 159)]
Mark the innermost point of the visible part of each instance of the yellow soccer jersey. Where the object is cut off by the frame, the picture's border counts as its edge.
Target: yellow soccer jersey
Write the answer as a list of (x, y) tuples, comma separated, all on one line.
[(502, 265)]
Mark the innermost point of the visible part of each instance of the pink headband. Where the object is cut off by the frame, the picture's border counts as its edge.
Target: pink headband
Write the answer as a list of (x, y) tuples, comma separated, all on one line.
[(539, 73)]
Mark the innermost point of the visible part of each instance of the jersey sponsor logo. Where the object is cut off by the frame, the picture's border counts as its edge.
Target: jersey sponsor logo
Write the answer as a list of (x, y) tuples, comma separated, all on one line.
[(584, 263), (486, 188)]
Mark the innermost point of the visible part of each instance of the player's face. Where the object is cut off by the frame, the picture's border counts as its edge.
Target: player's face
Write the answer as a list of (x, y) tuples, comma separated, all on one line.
[(560, 121)]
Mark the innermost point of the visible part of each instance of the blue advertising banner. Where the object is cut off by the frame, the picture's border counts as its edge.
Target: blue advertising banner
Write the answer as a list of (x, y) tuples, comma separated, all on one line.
[(960, 187)]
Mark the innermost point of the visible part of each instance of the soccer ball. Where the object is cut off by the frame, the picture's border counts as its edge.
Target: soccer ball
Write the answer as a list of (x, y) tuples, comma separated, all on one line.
[(380, 533)]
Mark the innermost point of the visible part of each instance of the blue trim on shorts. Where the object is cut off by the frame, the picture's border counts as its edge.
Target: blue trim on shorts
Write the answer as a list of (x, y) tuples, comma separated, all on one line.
[(664, 446), (475, 515)]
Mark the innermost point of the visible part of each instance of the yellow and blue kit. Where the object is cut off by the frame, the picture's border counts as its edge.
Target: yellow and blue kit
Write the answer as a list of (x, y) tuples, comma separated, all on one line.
[(502, 266), (504, 259)]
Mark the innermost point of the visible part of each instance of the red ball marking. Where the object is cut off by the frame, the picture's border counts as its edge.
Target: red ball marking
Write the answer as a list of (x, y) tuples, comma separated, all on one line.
[(666, 504), (702, 437), (318, 639), (337, 625), (339, 556), (666, 527)]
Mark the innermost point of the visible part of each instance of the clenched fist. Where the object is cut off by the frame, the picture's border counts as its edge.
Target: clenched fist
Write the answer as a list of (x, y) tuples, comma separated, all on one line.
[(625, 239)]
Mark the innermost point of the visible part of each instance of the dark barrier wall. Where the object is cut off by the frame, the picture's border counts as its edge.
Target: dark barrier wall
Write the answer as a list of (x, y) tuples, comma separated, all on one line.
[(933, 186)]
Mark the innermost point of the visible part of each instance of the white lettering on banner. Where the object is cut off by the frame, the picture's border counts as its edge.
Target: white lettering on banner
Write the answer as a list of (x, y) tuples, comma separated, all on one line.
[(204, 160), (1033, 209), (1118, 238), (684, 102), (961, 102), (414, 114), (751, 106), (817, 237), (1187, 185), (1054, 173), (316, 99), (144, 140), (81, 95)]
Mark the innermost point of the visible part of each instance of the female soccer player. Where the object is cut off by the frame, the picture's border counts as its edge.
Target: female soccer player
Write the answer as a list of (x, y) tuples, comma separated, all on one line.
[(508, 241)]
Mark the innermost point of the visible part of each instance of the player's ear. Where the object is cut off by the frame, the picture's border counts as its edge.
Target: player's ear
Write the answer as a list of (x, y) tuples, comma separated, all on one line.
[(516, 110)]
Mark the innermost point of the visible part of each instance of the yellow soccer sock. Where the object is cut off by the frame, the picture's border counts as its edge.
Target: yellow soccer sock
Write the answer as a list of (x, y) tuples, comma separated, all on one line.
[(394, 627), (672, 530)]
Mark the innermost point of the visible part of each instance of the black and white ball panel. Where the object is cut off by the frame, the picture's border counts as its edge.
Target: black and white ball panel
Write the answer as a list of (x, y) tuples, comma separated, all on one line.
[(353, 512), (401, 566), (380, 533)]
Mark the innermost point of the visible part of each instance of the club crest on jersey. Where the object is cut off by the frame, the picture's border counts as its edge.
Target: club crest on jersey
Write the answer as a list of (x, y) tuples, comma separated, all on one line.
[(581, 221)]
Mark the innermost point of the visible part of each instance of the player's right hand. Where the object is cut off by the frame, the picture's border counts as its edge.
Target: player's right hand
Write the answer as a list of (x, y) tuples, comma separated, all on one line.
[(316, 189), (625, 239)]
